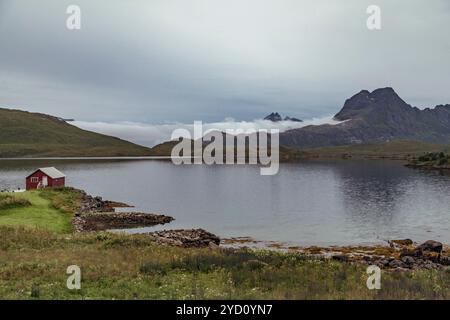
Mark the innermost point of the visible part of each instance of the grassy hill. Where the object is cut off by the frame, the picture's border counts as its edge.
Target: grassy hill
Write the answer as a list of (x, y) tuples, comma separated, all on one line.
[(26, 134)]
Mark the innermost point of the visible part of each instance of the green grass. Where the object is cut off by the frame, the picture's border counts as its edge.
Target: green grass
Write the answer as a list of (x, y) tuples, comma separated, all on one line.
[(10, 201), (67, 200), (39, 209), (432, 159), (25, 134), (37, 246), (114, 266)]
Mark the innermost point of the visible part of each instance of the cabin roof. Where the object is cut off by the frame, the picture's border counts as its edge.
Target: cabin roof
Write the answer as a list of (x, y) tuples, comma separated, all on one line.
[(52, 172)]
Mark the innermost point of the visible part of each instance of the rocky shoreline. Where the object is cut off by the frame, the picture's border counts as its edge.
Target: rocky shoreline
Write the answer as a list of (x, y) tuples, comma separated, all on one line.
[(96, 214), (117, 220), (403, 257), (90, 204), (396, 255), (192, 238), (431, 161), (427, 166)]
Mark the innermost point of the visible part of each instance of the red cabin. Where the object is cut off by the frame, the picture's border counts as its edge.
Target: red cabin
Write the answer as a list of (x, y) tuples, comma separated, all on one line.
[(44, 178)]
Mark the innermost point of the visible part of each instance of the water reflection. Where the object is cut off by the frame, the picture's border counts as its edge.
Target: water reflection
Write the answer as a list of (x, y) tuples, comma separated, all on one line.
[(321, 203), (370, 193)]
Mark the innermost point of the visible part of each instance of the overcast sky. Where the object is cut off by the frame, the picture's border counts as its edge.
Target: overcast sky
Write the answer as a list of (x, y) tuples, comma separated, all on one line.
[(156, 61)]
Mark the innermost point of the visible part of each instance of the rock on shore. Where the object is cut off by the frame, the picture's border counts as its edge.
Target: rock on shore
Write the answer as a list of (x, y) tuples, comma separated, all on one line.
[(117, 220), (405, 255), (96, 214), (400, 255), (91, 204), (186, 238)]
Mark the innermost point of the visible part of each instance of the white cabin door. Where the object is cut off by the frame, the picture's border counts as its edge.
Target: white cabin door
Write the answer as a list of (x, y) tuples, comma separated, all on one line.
[(44, 181)]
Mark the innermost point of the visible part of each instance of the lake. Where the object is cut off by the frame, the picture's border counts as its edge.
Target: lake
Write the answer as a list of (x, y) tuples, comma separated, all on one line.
[(339, 202)]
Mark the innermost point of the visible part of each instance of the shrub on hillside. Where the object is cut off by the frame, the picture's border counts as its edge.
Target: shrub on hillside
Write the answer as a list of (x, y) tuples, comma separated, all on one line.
[(439, 158), (11, 202)]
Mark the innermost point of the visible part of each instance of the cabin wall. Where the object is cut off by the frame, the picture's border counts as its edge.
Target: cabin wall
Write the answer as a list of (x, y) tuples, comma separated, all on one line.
[(33, 185), (60, 182)]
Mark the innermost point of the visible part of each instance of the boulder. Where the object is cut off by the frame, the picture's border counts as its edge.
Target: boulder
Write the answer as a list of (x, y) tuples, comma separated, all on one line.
[(397, 264), (410, 253), (340, 257), (384, 262), (191, 238), (431, 246), (400, 242), (408, 260), (445, 261)]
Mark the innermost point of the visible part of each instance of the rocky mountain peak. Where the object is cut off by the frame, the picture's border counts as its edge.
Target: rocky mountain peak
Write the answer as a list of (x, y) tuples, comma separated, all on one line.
[(377, 116), (383, 91), (386, 95), (364, 103), (276, 117)]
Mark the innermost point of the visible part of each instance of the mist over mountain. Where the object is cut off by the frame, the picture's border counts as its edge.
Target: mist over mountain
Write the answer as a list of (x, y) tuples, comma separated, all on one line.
[(378, 116)]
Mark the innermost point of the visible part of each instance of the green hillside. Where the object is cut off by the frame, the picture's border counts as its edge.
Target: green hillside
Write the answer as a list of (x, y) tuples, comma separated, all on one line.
[(25, 134)]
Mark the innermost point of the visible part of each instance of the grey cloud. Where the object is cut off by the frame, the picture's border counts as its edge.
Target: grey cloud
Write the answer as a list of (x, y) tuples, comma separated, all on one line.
[(150, 135), (178, 60)]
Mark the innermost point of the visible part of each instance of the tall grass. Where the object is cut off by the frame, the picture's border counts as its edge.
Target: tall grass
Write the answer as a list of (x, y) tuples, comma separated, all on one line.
[(115, 266), (65, 199), (10, 202)]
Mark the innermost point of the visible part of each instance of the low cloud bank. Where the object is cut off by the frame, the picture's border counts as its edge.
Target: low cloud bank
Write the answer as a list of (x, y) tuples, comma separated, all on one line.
[(152, 134)]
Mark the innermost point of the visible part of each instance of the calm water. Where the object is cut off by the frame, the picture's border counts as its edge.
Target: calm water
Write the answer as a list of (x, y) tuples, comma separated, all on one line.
[(322, 203)]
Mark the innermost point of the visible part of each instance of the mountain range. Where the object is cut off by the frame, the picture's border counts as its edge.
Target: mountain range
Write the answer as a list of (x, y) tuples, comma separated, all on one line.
[(377, 116), (380, 116)]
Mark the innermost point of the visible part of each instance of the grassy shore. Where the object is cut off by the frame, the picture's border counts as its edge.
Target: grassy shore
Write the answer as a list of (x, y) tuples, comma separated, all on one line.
[(37, 246), (431, 160), (33, 265), (45, 209)]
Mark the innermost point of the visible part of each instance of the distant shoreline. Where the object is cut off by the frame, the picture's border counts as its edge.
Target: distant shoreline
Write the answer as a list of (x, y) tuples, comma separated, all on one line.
[(91, 158), (402, 150)]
